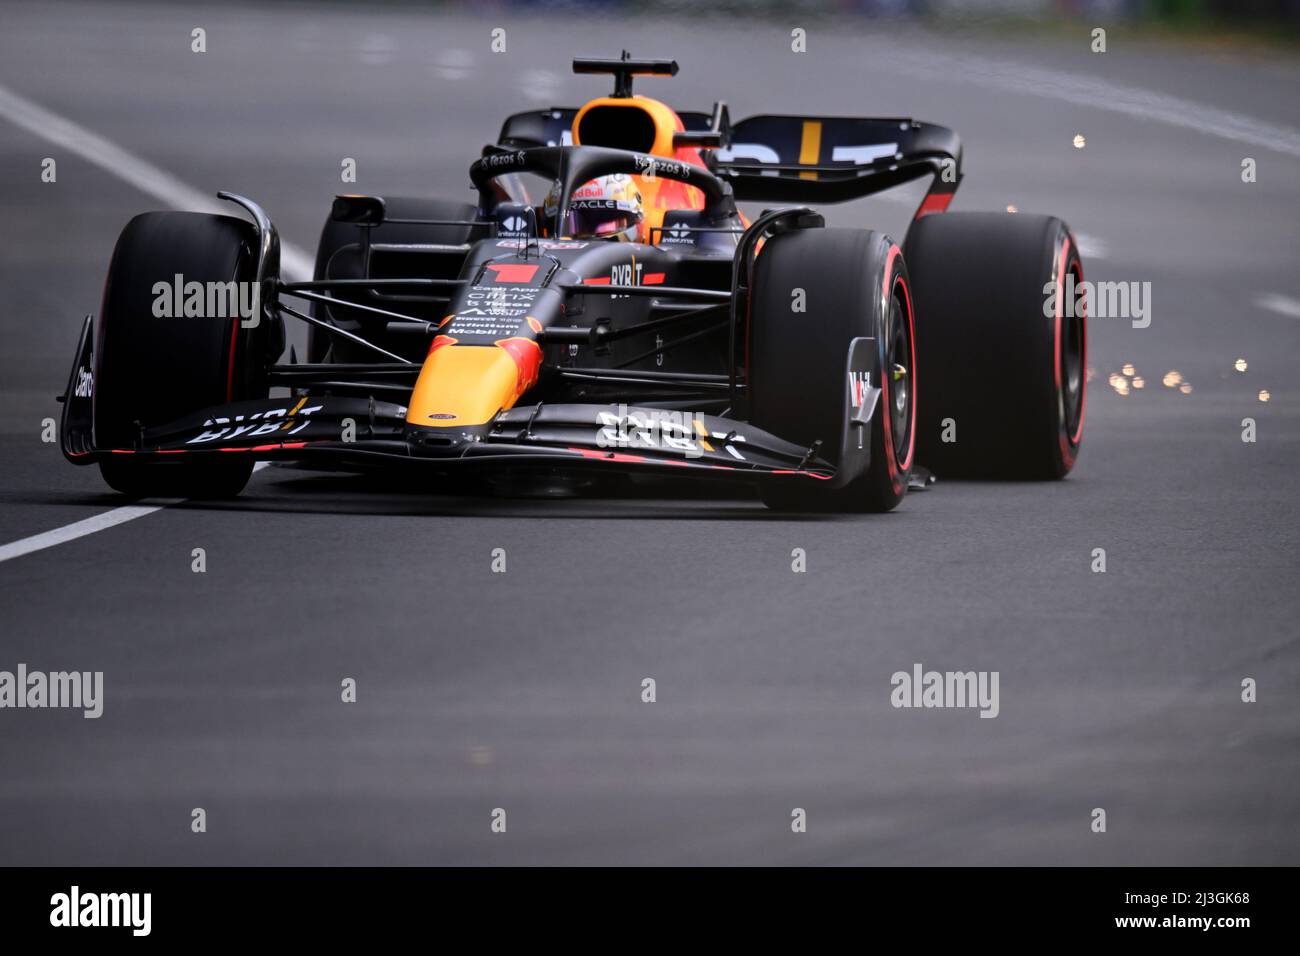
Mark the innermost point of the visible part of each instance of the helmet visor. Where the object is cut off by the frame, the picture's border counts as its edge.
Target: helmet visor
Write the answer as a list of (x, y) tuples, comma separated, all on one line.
[(600, 218)]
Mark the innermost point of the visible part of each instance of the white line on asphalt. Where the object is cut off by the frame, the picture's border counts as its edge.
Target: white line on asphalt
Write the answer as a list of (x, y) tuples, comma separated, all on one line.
[(377, 49), (453, 64), (1281, 304), (540, 85), (152, 181), (1113, 97), (140, 173), (79, 529)]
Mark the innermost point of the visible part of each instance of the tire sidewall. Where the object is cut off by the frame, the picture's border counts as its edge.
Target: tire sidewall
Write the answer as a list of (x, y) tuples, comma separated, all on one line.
[(850, 278), (887, 481), (151, 369), (1066, 260), (994, 342)]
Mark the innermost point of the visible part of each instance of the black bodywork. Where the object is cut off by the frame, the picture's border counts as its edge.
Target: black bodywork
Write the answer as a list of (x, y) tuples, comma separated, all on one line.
[(644, 345)]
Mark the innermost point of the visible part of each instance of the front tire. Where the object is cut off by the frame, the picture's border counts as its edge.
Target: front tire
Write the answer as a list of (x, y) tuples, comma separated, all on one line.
[(853, 283), (151, 370)]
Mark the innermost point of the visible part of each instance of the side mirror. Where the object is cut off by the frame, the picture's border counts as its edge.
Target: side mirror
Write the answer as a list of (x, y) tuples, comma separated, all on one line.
[(362, 210)]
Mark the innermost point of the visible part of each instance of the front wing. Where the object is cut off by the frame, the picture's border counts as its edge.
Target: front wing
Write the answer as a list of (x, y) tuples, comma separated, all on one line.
[(347, 431), (360, 431)]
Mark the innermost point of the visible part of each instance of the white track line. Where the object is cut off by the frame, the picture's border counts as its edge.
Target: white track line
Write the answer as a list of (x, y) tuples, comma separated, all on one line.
[(1281, 304), (78, 529), (99, 522), (1134, 101), (152, 181), (140, 173)]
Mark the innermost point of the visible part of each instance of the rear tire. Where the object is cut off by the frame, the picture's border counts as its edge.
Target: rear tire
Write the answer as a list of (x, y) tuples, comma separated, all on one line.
[(151, 370), (854, 284), (1007, 382)]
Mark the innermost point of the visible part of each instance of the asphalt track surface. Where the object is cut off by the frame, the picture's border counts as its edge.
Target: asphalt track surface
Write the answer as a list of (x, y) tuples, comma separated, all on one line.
[(523, 690)]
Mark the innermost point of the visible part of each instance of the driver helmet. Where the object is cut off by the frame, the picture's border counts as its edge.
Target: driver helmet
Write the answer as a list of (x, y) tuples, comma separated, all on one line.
[(608, 207)]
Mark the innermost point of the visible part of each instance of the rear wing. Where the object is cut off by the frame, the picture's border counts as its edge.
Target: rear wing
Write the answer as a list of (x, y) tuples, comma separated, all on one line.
[(796, 159), (826, 159)]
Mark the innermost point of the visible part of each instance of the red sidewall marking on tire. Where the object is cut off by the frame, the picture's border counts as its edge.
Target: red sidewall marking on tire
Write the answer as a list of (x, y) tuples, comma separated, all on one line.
[(1069, 443), (1083, 361), (891, 282)]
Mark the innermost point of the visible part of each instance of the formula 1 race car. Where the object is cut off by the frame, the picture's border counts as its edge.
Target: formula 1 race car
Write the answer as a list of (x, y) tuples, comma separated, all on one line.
[(624, 318)]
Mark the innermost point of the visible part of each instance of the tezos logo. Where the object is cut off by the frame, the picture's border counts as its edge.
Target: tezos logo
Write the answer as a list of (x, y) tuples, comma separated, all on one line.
[(651, 166), (504, 159)]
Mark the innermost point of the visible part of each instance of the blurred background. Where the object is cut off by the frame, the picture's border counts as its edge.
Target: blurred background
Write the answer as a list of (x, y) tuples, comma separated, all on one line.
[(522, 690), (1218, 15)]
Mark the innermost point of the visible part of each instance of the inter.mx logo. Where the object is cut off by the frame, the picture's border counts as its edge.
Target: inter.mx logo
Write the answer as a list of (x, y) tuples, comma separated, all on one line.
[(515, 225), (678, 232)]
